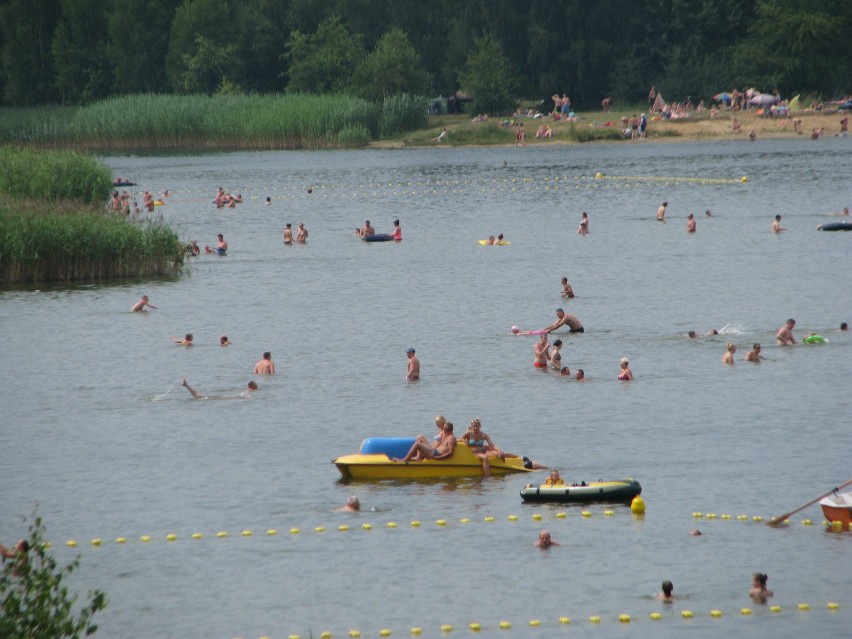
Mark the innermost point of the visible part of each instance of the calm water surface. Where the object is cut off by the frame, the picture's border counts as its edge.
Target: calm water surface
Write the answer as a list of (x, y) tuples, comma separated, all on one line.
[(98, 432)]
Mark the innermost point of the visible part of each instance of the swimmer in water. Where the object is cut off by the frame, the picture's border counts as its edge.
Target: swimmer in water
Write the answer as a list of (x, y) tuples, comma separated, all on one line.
[(567, 291), (666, 595), (545, 540), (692, 335), (540, 352), (759, 592), (397, 231), (224, 341), (352, 505), (564, 319), (139, 306), (301, 234), (690, 223), (728, 357), (784, 336), (661, 212), (776, 225), (186, 341), (250, 387), (580, 376), (288, 234), (221, 247), (626, 374), (754, 355)]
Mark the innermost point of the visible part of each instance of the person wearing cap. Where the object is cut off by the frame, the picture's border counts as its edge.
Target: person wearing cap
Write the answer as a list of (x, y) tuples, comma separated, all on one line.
[(563, 319), (626, 374), (753, 355), (413, 366)]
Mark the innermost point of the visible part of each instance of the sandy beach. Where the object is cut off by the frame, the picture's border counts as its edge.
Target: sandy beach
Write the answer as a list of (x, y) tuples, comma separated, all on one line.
[(696, 128)]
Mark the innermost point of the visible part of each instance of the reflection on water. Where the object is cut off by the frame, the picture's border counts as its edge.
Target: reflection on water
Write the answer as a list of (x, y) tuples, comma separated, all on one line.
[(97, 430)]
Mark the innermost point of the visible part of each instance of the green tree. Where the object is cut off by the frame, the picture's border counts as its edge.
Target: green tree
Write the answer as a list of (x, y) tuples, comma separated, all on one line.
[(80, 51), (488, 78), (393, 67), (322, 62), (261, 35), (26, 60), (138, 40), (194, 18), (207, 68), (36, 603)]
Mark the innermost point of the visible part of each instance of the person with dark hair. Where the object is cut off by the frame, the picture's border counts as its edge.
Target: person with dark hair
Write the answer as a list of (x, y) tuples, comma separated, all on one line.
[(397, 231), (18, 555), (186, 341), (785, 333), (413, 372), (666, 595), (759, 592), (265, 366), (754, 355), (776, 225), (563, 319)]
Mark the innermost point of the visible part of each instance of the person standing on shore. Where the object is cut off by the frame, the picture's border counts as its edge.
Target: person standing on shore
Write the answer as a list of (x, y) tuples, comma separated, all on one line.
[(413, 373)]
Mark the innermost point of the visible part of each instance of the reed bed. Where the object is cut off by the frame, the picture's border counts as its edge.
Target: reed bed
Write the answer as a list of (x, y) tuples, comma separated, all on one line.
[(53, 175), (151, 122), (40, 242)]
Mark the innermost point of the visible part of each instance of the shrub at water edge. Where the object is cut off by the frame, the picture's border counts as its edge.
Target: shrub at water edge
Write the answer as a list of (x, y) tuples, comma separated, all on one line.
[(34, 602), (53, 175), (39, 244)]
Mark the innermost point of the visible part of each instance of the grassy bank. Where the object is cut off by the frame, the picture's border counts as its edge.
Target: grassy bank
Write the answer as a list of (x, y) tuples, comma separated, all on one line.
[(163, 122), (53, 175), (41, 242)]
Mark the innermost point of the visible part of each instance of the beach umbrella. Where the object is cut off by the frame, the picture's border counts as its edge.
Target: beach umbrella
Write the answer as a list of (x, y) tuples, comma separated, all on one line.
[(764, 98), (722, 97), (795, 105)]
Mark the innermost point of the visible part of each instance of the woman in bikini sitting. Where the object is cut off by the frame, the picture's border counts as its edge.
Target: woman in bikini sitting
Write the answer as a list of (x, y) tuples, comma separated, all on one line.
[(480, 444)]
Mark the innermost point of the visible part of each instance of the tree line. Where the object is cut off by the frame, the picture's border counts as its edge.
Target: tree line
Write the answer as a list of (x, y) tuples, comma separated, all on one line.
[(73, 52)]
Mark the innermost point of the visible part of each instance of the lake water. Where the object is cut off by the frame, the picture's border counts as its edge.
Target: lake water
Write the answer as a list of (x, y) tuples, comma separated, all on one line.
[(98, 432)]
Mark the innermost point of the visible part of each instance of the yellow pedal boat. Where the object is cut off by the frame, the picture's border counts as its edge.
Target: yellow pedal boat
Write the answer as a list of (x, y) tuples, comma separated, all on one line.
[(374, 461)]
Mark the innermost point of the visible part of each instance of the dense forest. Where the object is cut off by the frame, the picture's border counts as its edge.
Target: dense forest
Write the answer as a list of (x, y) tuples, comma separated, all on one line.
[(71, 52)]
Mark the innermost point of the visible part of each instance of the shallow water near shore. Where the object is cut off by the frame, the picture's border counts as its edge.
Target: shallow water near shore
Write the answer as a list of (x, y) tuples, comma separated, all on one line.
[(99, 433)]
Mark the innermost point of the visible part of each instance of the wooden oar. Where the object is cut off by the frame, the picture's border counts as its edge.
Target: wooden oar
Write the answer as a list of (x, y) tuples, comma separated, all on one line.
[(780, 519)]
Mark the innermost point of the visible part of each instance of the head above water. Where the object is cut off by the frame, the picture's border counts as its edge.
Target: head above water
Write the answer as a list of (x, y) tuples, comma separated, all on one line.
[(252, 385), (667, 588)]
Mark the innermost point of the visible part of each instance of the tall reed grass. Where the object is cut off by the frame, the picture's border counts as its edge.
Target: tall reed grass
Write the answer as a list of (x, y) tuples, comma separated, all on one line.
[(292, 121), (40, 242), (53, 175)]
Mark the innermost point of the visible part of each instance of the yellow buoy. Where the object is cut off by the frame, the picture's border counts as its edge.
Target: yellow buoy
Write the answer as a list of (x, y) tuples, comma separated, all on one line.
[(535, 623), (385, 632), (121, 540), (586, 513), (325, 634), (196, 535), (745, 611), (505, 625), (343, 527), (513, 518), (169, 537), (624, 618), (271, 532), (96, 542), (145, 538), (536, 517), (774, 608), (637, 506), (757, 518), (318, 529), (415, 524), (726, 516), (446, 628), (295, 531), (715, 613), (441, 522), (744, 179), (560, 515), (609, 513), (354, 633), (367, 526), (656, 616), (594, 619), (474, 627), (807, 522), (221, 533), (804, 606), (391, 524), (564, 620), (710, 515), (686, 614), (742, 517), (832, 605), (293, 637), (246, 533), (598, 175), (416, 631), (489, 518), (464, 520)]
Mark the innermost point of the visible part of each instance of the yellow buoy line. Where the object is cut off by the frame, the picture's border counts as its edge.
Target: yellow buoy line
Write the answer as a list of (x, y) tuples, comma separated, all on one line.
[(505, 624), (413, 525), (458, 186)]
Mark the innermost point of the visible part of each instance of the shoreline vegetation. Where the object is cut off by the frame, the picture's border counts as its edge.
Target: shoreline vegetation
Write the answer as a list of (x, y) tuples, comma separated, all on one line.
[(54, 226), (155, 123)]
